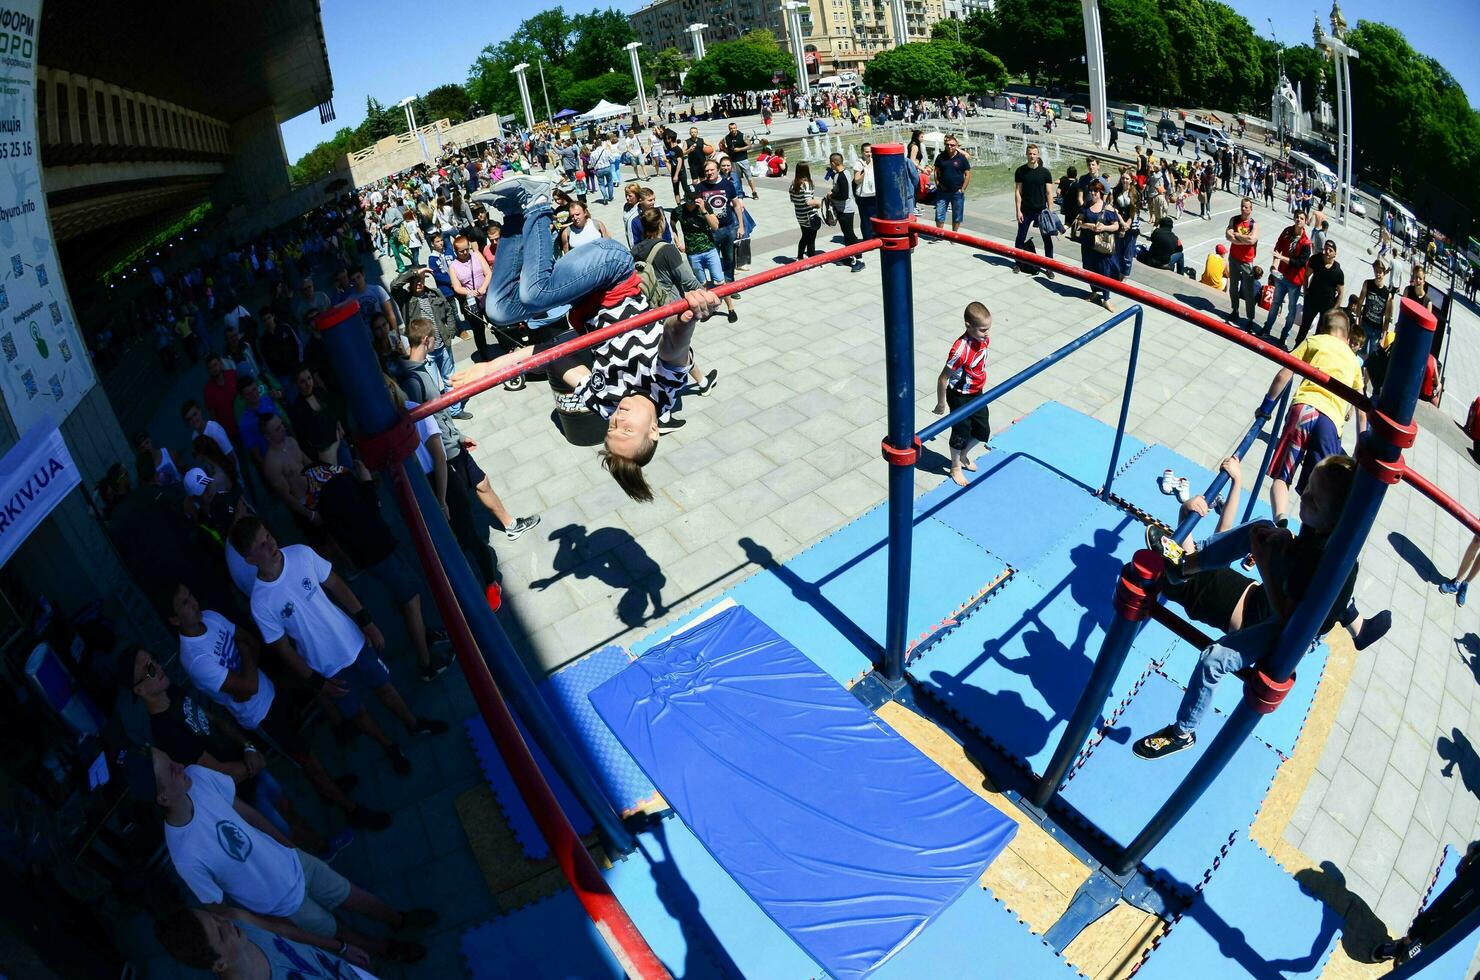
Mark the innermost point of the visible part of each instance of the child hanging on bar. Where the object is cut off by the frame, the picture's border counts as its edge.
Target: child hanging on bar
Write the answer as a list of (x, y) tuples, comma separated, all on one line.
[(1251, 614), (632, 380), (962, 379)]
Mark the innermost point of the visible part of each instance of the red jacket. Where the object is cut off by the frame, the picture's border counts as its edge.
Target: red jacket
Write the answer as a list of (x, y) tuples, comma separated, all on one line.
[(1298, 250), (220, 401)]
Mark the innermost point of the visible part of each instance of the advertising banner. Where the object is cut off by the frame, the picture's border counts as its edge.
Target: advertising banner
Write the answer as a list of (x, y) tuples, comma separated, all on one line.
[(44, 366), (34, 477)]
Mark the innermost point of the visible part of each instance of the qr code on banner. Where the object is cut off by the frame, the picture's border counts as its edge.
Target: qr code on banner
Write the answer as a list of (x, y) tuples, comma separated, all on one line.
[(56, 312), (41, 275), (7, 344), (55, 381), (66, 349), (17, 266), (4, 299), (29, 380)]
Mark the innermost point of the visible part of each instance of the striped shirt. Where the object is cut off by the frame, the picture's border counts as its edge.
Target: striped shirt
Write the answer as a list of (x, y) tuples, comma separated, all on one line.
[(968, 364), (627, 364), (806, 213)]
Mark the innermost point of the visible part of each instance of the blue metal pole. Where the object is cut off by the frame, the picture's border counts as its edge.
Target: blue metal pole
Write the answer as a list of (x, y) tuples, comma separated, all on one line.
[(1135, 593), (1379, 465), (347, 339), (1450, 938), (1125, 402), (1274, 441), (1220, 479), (891, 178)]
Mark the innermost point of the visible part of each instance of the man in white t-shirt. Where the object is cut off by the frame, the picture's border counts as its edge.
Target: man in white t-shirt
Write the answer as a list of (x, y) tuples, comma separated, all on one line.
[(229, 854), (224, 663), (331, 650)]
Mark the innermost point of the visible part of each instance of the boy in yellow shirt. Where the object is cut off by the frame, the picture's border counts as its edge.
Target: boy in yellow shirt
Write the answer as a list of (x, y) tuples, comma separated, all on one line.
[(1313, 427), (1215, 269)]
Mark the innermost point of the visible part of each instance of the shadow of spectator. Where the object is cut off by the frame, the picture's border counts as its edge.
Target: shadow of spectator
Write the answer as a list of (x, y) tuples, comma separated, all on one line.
[(1414, 556), (1201, 303), (613, 557), (1459, 753), (1362, 930), (1469, 652)]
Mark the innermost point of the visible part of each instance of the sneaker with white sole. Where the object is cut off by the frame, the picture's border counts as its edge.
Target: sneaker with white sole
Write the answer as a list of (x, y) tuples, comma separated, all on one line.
[(1184, 490), (1159, 745), (520, 526), (1162, 543)]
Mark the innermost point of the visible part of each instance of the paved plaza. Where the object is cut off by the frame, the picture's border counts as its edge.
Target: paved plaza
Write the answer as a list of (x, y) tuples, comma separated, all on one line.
[(786, 449)]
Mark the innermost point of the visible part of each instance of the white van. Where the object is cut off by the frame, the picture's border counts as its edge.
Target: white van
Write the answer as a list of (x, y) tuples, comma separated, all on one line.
[(836, 83), (1204, 136), (1405, 223)]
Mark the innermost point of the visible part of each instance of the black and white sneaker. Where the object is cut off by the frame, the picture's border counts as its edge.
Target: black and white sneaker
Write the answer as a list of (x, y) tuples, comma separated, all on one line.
[(429, 726), (1159, 541), (710, 380), (1159, 745), (462, 415), (433, 669), (438, 640), (399, 763), (520, 526)]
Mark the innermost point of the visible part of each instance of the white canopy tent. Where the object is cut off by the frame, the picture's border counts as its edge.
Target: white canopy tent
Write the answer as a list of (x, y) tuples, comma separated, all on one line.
[(604, 110)]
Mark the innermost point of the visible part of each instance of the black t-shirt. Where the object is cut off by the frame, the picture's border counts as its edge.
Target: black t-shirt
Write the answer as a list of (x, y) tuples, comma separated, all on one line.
[(733, 142), (1323, 288), (1069, 191), (317, 429), (184, 732), (694, 150), (1036, 181), (950, 171), (351, 513), (1305, 555)]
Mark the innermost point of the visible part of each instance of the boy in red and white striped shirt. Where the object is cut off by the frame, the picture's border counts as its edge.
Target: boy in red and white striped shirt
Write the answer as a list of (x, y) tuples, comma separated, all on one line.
[(962, 379)]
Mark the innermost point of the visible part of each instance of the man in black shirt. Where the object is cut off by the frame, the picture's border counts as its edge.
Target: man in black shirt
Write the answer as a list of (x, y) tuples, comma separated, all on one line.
[(738, 150), (182, 727), (314, 420), (675, 276), (696, 151), (1032, 194), (1323, 285)]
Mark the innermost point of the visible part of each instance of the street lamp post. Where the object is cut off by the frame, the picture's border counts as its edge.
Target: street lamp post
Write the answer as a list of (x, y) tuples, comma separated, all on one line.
[(546, 91), (901, 27), (406, 105), (518, 72), (642, 102), (1341, 55), (791, 13), (1095, 60)]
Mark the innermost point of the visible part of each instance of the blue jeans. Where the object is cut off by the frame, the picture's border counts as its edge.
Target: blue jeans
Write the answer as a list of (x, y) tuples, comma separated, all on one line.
[(1028, 224), (956, 203), (527, 282), (266, 791), (1282, 288), (867, 211), (709, 262), (724, 241), (1233, 651), (604, 179), (443, 364)]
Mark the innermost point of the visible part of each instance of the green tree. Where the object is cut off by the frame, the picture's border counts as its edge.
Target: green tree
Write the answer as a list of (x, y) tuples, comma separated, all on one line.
[(1306, 67), (601, 39), (666, 66), (738, 66), (982, 70), (614, 86), (1138, 51), (919, 70), (1042, 40), (444, 102)]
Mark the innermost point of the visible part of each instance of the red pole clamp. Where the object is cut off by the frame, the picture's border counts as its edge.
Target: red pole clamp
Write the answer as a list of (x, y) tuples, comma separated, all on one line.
[(1263, 694), (1139, 585), (385, 449), (1386, 429), (1389, 473), (900, 457), (895, 236)]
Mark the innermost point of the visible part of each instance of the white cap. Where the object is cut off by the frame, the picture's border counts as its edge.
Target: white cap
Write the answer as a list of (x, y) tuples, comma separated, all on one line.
[(196, 482)]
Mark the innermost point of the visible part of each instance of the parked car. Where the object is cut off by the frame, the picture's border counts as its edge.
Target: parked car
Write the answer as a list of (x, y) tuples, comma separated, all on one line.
[(1167, 129), (1078, 113), (1133, 123)]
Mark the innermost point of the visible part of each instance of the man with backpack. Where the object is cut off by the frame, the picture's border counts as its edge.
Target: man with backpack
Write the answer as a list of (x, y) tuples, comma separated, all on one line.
[(1292, 252), (662, 263)]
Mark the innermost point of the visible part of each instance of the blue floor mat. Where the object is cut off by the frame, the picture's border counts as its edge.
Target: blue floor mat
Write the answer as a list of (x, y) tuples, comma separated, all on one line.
[(553, 939), (1014, 670), (521, 822), (1137, 484), (1072, 443), (1117, 793), (976, 931), (565, 691), (829, 601), (1252, 919), (1280, 729), (991, 510), (771, 762)]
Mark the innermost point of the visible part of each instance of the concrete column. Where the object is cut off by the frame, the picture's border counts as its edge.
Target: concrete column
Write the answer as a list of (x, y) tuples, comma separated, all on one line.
[(1351, 142), (901, 22), (642, 102), (696, 34), (53, 127), (518, 72), (1336, 62), (1095, 60), (257, 172)]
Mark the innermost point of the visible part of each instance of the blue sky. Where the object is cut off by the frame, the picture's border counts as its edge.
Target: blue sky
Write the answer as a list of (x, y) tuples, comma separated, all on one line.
[(379, 48)]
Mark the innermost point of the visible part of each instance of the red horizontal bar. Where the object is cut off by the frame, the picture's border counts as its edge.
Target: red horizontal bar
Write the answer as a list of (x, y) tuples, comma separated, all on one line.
[(612, 922), (1444, 500), (1182, 310), (595, 337)]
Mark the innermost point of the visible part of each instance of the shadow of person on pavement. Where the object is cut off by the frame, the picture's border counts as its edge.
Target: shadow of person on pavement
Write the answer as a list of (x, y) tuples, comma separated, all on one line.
[(1459, 753), (1362, 930), (1415, 556), (613, 557)]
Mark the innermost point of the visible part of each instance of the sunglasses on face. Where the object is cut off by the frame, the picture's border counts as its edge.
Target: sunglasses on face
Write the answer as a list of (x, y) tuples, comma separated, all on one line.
[(150, 672)]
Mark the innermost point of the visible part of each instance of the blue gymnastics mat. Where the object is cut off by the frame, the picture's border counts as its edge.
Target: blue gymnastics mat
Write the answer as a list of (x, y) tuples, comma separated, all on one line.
[(1136, 483), (1252, 919), (565, 691), (552, 939), (1455, 964), (829, 603), (977, 937), (1072, 443), (1117, 793), (521, 822), (1279, 730), (1014, 670), (991, 510), (849, 838)]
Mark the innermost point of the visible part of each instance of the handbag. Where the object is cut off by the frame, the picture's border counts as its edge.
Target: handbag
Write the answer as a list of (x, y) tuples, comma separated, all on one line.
[(1105, 242), (829, 217), (1049, 223)]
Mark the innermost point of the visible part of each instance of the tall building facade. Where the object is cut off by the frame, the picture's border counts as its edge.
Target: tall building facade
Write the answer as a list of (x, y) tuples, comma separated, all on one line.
[(839, 35)]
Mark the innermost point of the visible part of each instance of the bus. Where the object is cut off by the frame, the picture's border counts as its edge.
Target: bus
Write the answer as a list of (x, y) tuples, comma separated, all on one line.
[(1205, 136)]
